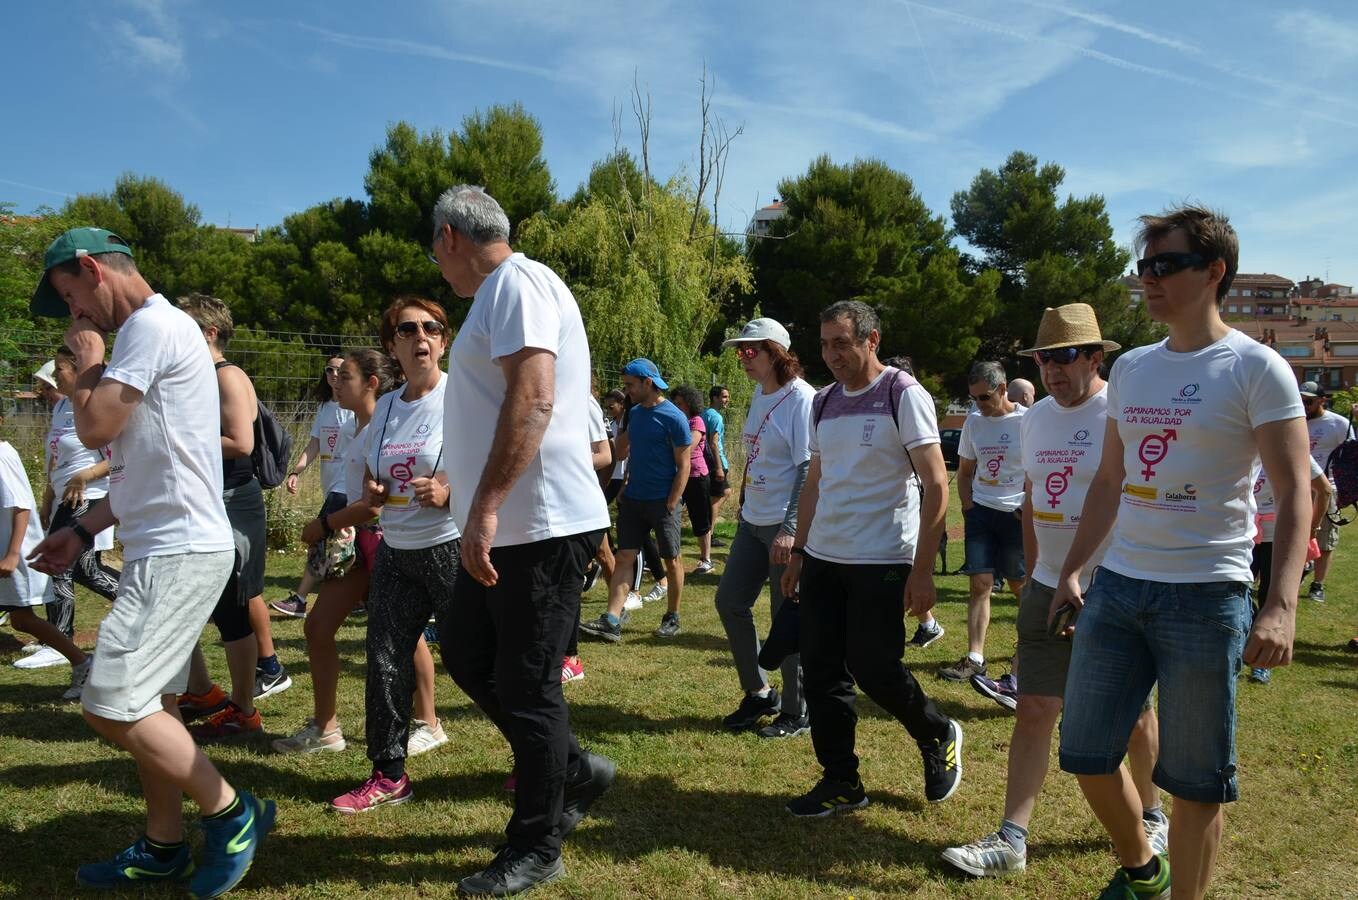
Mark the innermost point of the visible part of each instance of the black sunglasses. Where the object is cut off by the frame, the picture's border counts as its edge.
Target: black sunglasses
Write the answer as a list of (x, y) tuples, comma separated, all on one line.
[(1163, 265), (981, 398), (410, 329), (1062, 356)]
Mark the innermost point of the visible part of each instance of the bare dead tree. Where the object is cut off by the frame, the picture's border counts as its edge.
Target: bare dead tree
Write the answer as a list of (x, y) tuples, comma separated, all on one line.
[(714, 145), (641, 109)]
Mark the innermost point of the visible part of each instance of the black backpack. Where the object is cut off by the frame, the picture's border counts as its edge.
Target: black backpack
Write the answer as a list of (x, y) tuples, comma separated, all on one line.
[(273, 445), (1342, 469)]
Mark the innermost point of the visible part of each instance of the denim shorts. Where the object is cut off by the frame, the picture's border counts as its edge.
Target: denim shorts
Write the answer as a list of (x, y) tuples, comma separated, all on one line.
[(994, 542), (1187, 637)]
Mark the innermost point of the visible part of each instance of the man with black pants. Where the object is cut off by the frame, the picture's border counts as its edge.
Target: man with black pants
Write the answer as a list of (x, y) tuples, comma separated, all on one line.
[(859, 522), (528, 503)]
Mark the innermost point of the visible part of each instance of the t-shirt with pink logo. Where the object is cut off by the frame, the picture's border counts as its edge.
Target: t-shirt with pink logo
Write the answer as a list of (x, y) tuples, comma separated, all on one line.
[(993, 442), (333, 428), (1062, 446), (697, 463), (1186, 421), (403, 442), (1265, 506)]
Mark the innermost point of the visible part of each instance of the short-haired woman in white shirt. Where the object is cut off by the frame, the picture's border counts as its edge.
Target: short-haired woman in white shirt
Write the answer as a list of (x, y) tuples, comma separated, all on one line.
[(419, 555)]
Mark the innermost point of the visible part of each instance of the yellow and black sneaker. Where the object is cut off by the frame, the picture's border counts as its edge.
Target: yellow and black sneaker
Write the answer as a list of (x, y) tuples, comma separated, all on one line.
[(1125, 887), (827, 798), (942, 764)]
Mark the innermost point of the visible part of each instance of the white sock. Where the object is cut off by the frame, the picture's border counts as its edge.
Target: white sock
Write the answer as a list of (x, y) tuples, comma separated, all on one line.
[(976, 658), (763, 692)]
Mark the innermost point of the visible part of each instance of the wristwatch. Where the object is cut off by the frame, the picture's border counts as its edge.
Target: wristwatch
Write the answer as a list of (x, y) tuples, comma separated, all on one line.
[(85, 537)]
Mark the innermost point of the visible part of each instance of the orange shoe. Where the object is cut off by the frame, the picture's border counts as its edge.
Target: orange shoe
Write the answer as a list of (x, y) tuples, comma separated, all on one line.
[(227, 722), (195, 706)]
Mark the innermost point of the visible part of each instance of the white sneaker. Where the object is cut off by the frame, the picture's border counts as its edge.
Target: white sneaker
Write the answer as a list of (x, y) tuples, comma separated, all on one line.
[(991, 855), (79, 675), (1157, 832), (41, 659), (704, 566), (310, 739), (425, 737), (659, 592), (633, 601)]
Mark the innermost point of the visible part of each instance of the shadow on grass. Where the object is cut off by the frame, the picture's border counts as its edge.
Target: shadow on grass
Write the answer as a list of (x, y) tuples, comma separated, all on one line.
[(43, 723)]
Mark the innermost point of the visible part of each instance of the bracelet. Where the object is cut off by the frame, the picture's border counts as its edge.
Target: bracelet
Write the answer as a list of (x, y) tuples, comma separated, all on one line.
[(85, 537)]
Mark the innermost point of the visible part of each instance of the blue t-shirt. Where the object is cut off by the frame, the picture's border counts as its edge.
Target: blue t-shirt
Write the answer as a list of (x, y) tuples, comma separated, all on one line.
[(716, 434), (652, 435)]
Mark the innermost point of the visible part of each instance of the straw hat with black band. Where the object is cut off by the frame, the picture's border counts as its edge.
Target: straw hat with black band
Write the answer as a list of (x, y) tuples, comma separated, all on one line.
[(1072, 325)]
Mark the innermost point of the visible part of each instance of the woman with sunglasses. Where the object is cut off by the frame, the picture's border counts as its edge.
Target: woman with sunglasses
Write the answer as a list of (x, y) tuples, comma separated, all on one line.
[(417, 560), (777, 437), (331, 431)]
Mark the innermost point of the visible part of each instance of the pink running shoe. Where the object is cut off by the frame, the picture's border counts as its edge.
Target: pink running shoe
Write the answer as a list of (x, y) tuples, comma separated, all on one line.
[(572, 669), (377, 791)]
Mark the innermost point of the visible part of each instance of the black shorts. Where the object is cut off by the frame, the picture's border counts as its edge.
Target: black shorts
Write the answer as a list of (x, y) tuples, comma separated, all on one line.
[(637, 517), (699, 503)]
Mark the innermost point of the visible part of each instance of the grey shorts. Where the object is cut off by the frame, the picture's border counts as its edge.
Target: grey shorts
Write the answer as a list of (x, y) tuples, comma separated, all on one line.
[(245, 510), (1042, 661), (145, 641), (636, 517)]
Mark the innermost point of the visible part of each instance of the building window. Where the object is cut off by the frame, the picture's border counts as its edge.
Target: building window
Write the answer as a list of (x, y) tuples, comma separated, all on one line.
[(1245, 307), (1232, 308)]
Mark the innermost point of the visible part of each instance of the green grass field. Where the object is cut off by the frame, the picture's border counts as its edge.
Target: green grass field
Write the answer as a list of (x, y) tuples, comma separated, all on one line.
[(696, 811)]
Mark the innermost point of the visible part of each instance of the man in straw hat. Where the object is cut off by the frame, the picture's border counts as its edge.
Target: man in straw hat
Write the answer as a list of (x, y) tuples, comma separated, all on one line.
[(1169, 604), (155, 407), (1062, 445)]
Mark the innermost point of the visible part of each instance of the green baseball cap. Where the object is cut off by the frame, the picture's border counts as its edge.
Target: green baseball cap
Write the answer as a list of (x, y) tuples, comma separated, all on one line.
[(73, 244)]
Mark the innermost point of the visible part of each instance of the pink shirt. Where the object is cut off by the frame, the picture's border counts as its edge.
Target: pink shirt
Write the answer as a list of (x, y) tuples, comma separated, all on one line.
[(697, 462)]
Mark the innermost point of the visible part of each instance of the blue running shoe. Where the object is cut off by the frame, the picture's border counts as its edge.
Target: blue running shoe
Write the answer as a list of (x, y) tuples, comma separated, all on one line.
[(229, 846), (135, 867)]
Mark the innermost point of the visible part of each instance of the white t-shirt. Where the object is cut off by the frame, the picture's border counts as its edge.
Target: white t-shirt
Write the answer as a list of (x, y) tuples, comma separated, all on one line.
[(67, 456), (26, 587), (165, 476), (1327, 431), (598, 431), (1265, 503), (868, 507), (1062, 447), (524, 304), (1187, 423), (405, 441), (993, 442), (777, 438), (355, 465), (333, 429)]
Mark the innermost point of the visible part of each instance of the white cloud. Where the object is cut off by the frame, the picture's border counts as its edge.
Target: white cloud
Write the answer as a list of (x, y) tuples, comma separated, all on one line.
[(1261, 149), (1113, 24), (1321, 34), (149, 50), (432, 51)]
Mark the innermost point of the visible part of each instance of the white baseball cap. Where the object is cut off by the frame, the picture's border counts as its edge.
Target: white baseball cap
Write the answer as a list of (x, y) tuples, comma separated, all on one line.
[(761, 330), (48, 373)]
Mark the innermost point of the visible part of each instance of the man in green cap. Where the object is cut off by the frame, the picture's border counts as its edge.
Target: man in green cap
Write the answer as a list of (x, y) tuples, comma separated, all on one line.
[(155, 407)]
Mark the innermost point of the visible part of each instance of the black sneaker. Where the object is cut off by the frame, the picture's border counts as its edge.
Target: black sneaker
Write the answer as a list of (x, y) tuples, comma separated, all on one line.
[(786, 725), (511, 872), (752, 709), (591, 575), (827, 798), (669, 625), (594, 777), (602, 628), (925, 636), (267, 685), (1317, 592), (717, 542), (943, 764)]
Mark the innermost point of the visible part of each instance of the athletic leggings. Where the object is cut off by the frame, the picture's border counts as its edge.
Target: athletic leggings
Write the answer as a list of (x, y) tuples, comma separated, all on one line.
[(88, 569), (407, 587)]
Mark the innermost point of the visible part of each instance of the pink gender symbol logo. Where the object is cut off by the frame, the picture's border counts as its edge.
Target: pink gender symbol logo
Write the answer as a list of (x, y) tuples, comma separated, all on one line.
[(330, 439), (1057, 483), (1153, 450), (992, 465), (403, 472)]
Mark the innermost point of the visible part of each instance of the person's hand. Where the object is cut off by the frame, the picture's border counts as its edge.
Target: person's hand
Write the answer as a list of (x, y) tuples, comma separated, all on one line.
[(1270, 641), (672, 505), (74, 494), (56, 553), (291, 483), (374, 493), (86, 341), (920, 593), (792, 576), (781, 551), (313, 531), (1067, 592), (429, 492), (477, 539), (8, 564)]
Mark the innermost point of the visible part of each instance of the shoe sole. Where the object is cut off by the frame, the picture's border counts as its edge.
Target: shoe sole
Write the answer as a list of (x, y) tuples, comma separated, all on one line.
[(193, 715), (933, 640), (31, 662), (546, 879), (315, 748), (1004, 700), (666, 634), (570, 678), (277, 687), (980, 871), (957, 752), (785, 734), (960, 679), (601, 635), (292, 614), (832, 811), (396, 801)]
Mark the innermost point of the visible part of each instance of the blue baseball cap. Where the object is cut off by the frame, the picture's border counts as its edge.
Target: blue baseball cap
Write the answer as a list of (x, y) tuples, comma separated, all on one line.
[(644, 368)]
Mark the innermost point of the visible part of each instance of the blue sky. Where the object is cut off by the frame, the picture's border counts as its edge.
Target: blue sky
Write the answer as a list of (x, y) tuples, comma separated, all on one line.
[(254, 111)]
